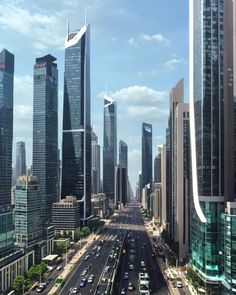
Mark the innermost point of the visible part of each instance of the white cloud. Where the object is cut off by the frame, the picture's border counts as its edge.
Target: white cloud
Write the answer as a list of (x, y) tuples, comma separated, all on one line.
[(157, 37), (140, 95), (42, 30), (132, 42), (23, 111), (151, 113), (173, 63)]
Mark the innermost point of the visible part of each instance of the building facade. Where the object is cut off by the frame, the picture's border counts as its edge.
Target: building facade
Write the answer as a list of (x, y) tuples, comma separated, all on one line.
[(123, 154), (20, 168), (109, 147), (207, 136), (163, 220), (96, 180), (121, 185), (76, 138), (66, 217), (157, 167), (45, 132), (6, 137), (28, 219), (147, 153), (181, 179)]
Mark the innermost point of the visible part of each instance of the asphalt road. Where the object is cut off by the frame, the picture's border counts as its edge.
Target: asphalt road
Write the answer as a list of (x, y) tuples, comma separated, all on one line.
[(137, 239)]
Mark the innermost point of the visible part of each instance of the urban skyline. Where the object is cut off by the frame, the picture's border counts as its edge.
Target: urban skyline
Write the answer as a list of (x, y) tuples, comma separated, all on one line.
[(155, 37)]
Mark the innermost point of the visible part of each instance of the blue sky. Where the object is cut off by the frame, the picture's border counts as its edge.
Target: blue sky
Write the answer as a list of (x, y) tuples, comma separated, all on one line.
[(139, 49)]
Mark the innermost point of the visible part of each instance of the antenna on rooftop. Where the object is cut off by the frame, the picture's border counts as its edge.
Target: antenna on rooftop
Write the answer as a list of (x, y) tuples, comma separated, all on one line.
[(68, 28)]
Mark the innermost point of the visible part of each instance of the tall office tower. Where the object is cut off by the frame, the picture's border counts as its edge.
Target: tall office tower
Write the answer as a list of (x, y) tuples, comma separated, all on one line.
[(181, 179), (28, 221), (176, 96), (20, 168), (76, 138), (140, 186), (157, 167), (207, 136), (109, 147), (6, 134), (123, 154), (121, 185), (147, 154), (95, 164), (163, 186), (45, 132)]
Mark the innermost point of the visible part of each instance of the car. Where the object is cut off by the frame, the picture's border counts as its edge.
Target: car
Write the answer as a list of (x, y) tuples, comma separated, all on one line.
[(86, 257), (74, 290), (126, 276), (59, 267), (142, 263), (84, 272), (153, 255), (97, 255), (83, 282), (130, 287), (91, 278), (123, 291), (41, 287), (131, 267), (179, 284)]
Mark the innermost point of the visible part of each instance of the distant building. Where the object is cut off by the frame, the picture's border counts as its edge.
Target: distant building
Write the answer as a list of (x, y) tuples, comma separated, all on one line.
[(109, 147), (147, 153), (76, 138), (45, 132), (66, 217), (123, 154), (28, 220), (163, 186), (121, 185), (20, 168), (157, 167), (96, 180)]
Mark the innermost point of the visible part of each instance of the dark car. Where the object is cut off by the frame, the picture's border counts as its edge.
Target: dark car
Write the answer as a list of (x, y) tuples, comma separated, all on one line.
[(83, 282)]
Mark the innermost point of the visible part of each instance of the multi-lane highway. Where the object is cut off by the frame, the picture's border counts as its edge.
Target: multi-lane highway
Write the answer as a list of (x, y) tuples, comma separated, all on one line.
[(138, 257)]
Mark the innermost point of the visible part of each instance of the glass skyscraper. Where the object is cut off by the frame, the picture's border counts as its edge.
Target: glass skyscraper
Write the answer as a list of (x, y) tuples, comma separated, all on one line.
[(76, 139), (123, 154), (20, 168), (95, 164), (45, 131), (109, 147), (147, 153), (6, 134), (207, 136)]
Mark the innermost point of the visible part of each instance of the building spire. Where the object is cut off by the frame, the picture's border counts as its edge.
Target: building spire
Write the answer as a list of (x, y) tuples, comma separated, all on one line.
[(85, 16), (68, 28)]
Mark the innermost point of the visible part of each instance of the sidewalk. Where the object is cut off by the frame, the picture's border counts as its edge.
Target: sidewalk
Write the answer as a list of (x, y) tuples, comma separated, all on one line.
[(70, 266)]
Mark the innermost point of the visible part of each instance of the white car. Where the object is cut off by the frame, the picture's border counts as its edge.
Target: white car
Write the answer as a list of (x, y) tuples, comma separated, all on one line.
[(131, 267), (75, 290), (179, 284), (123, 291), (91, 278)]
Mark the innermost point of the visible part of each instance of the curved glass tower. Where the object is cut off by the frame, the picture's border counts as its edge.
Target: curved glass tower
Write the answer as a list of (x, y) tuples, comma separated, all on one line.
[(207, 135), (76, 139), (109, 147)]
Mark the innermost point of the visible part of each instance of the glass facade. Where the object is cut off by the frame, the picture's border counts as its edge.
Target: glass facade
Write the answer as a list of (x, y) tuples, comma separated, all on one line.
[(45, 131), (6, 230), (208, 99), (76, 139), (147, 153), (95, 164), (123, 154), (28, 221), (109, 147), (6, 124)]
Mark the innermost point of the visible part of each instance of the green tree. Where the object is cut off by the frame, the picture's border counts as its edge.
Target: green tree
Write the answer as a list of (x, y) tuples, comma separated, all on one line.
[(60, 248), (36, 271), (18, 284), (85, 231)]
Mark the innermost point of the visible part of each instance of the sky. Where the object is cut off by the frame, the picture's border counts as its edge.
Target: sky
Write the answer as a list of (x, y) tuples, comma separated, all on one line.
[(138, 50)]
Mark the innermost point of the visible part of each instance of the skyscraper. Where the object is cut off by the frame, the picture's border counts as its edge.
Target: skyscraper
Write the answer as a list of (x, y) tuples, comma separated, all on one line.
[(76, 138), (45, 131), (6, 124), (207, 135), (123, 154), (147, 154), (95, 164), (20, 159), (121, 185), (6, 134), (157, 167), (176, 96), (109, 146)]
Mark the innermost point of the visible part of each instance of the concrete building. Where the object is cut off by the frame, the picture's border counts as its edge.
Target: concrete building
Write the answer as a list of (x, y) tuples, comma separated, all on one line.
[(20, 168), (66, 217), (157, 203), (163, 186), (181, 179), (100, 205)]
